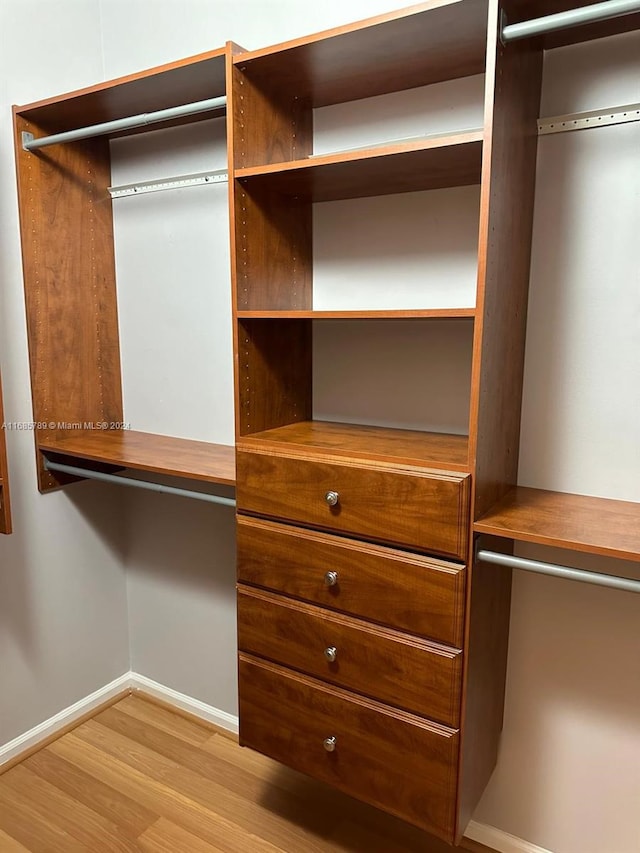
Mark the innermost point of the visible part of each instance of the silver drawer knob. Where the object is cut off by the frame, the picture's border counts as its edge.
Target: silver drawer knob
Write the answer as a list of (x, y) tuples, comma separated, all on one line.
[(331, 653), (330, 744), (331, 578), (332, 498)]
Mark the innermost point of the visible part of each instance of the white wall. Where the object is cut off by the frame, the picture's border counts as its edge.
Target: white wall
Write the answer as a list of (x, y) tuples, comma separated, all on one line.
[(568, 776), (63, 613)]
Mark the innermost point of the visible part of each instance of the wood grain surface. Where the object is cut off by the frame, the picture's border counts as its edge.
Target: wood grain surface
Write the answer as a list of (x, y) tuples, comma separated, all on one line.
[(579, 522), (381, 663), (382, 756), (148, 778), (426, 510), (412, 592), (143, 451)]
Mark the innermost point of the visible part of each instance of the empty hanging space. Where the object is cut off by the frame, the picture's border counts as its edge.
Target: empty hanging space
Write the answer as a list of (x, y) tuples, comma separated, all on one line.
[(64, 174), (579, 451)]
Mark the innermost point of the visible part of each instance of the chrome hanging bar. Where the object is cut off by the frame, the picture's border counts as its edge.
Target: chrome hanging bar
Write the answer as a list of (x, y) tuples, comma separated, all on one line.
[(571, 18), (30, 143), (138, 484), (597, 578)]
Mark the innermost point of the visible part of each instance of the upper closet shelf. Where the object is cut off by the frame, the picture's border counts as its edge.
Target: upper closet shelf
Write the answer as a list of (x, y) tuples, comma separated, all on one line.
[(177, 457), (198, 78), (578, 522), (424, 164), (422, 44)]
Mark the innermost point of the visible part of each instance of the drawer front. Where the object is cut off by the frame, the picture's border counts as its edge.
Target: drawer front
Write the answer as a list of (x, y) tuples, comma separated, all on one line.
[(395, 668), (392, 760), (418, 594), (427, 511)]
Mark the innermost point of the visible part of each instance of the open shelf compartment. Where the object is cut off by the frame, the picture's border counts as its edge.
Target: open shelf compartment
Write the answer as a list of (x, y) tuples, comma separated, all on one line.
[(426, 164)]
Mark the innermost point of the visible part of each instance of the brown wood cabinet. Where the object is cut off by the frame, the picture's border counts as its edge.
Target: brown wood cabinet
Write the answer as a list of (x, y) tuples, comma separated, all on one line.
[(372, 644), (334, 519)]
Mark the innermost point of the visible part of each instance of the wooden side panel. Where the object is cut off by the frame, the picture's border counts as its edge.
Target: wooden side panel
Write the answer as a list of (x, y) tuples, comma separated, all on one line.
[(514, 76), (486, 665), (5, 502), (273, 370), (69, 278), (513, 83)]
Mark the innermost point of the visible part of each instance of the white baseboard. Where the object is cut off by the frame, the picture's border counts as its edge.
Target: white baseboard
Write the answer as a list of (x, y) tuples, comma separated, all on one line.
[(501, 841), (59, 721), (226, 721)]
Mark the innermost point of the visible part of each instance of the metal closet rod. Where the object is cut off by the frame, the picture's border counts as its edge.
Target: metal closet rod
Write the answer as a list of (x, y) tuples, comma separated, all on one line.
[(138, 484), (613, 581), (571, 18), (29, 143)]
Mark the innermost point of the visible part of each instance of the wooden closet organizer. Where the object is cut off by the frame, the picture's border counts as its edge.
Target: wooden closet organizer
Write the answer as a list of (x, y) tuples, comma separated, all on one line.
[(69, 276), (372, 644)]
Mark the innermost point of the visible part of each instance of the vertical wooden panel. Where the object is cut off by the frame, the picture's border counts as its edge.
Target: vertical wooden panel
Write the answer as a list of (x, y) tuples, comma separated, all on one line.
[(513, 84), (69, 279), (5, 503), (514, 75)]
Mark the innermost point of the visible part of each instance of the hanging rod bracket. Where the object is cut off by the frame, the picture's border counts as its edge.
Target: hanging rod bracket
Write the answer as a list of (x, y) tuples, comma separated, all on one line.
[(26, 139), (585, 120), (179, 182)]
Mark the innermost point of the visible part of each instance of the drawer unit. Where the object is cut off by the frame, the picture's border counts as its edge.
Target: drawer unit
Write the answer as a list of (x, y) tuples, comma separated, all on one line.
[(388, 758), (423, 509), (395, 668), (411, 592)]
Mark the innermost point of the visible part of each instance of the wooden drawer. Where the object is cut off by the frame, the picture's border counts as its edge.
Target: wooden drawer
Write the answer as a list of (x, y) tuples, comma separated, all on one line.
[(395, 668), (393, 760), (418, 594), (427, 510)]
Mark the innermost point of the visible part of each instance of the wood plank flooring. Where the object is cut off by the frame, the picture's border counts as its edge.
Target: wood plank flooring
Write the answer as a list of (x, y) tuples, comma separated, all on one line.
[(140, 777)]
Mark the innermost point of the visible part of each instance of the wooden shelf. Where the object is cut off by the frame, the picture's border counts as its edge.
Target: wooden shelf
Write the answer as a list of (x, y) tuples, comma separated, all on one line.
[(578, 522), (411, 47), (424, 164), (194, 79), (329, 440), (397, 314), (178, 457)]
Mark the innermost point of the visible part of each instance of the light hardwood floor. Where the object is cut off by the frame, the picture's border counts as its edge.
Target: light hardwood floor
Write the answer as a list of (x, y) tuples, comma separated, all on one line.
[(140, 777)]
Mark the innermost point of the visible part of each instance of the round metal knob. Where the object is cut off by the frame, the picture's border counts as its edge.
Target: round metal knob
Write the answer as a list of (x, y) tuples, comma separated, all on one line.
[(331, 653), (331, 578), (330, 744), (332, 498)]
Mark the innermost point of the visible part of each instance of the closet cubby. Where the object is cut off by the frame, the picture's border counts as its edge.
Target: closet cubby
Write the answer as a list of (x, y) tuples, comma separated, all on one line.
[(70, 281)]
